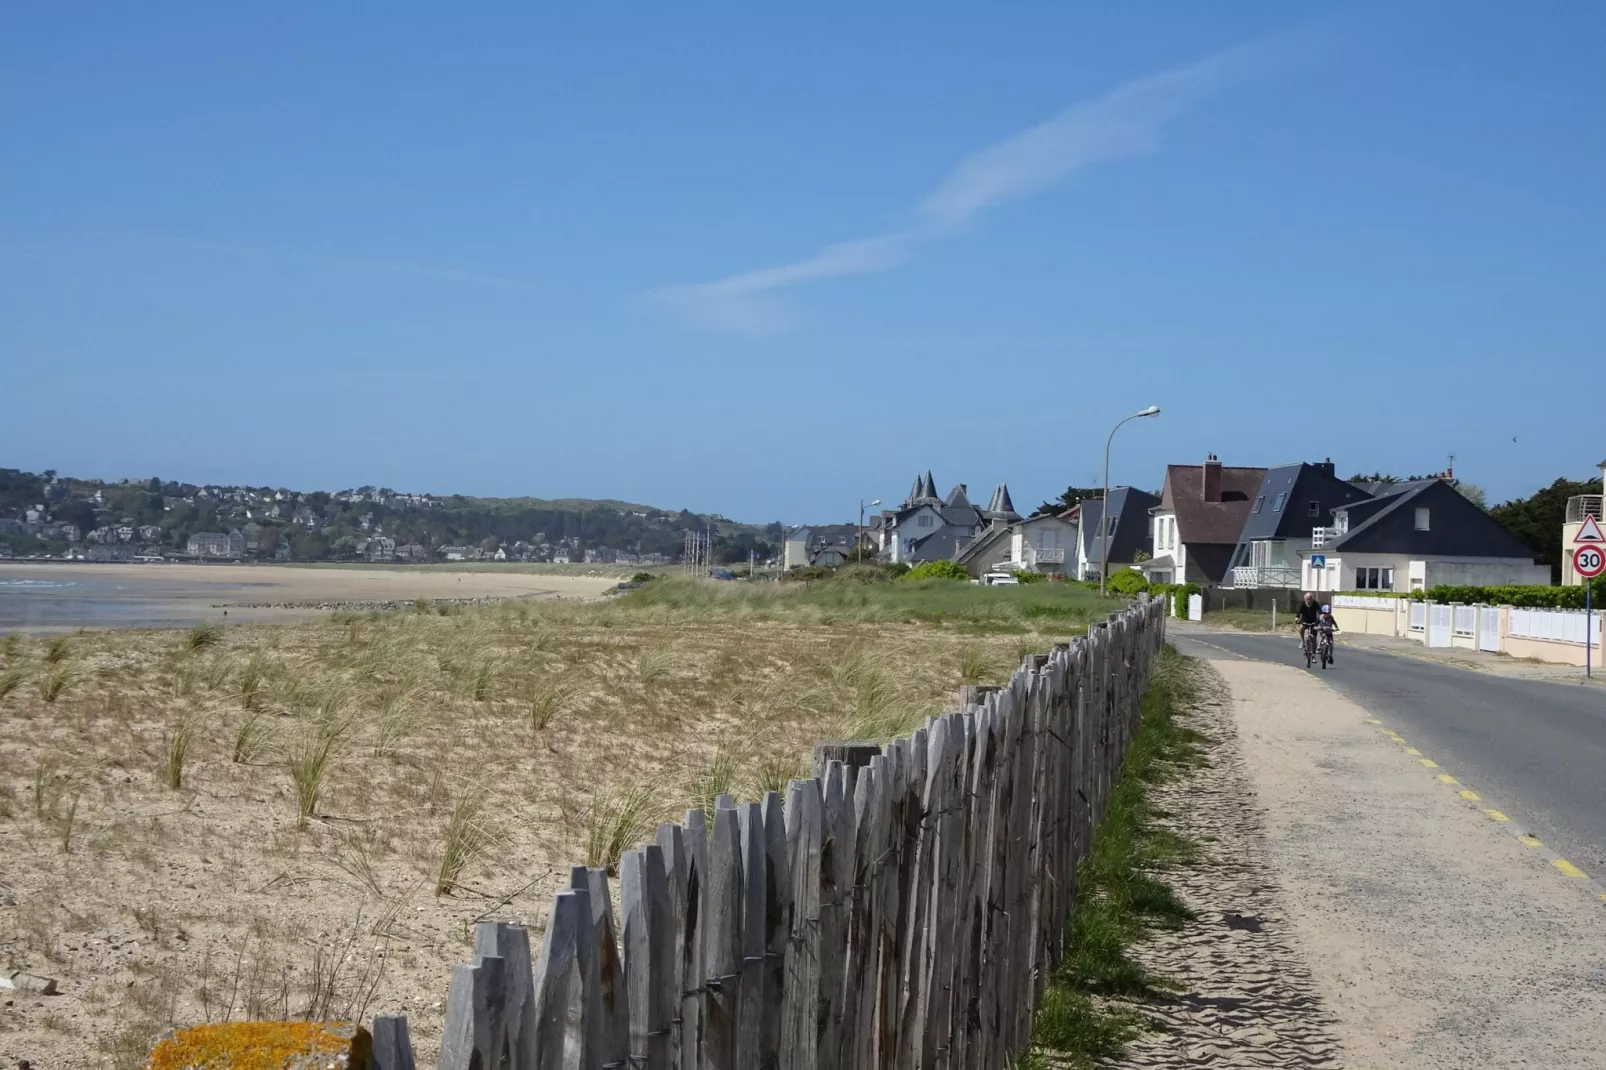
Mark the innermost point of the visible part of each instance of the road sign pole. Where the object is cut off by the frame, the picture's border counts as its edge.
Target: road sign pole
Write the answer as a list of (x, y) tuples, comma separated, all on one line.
[(1589, 630)]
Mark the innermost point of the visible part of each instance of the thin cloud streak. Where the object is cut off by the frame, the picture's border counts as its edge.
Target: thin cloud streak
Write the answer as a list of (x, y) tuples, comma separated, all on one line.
[(1126, 121), (740, 302)]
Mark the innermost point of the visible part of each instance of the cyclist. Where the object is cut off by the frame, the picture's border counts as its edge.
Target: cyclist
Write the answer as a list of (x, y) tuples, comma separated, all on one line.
[(1309, 614), (1328, 628)]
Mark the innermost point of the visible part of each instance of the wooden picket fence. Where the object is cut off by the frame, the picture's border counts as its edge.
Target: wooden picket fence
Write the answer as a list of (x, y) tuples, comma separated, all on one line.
[(900, 915)]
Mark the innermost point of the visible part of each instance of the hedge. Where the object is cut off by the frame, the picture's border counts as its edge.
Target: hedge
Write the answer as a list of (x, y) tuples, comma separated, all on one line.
[(1525, 597), (937, 570)]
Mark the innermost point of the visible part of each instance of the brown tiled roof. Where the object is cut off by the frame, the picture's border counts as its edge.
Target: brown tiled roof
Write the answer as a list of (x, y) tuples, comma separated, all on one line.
[(1210, 522)]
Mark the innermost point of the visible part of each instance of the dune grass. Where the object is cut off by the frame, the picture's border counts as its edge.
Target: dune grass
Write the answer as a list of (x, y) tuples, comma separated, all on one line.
[(595, 721), (984, 609)]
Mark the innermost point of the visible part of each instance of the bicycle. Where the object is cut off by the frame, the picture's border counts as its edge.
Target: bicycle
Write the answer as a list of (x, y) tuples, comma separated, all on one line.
[(1309, 642), (1324, 649)]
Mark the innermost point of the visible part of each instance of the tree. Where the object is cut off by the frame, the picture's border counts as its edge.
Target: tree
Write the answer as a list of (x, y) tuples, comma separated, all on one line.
[(1538, 518), (1474, 494), (1071, 496)]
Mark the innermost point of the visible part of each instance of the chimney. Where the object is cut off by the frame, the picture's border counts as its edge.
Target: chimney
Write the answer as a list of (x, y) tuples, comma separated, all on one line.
[(1327, 467), (1212, 479)]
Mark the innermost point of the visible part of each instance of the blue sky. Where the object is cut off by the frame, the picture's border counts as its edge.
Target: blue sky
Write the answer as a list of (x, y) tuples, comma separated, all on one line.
[(765, 264)]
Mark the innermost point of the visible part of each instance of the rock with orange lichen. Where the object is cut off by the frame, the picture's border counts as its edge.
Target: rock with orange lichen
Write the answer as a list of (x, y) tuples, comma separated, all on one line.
[(264, 1046)]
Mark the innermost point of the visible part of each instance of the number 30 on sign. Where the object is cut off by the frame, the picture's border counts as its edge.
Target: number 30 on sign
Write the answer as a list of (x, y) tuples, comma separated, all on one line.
[(1589, 561)]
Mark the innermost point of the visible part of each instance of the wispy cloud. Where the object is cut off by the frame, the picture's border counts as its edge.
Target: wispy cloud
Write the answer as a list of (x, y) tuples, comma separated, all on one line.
[(409, 269), (743, 302), (1126, 121)]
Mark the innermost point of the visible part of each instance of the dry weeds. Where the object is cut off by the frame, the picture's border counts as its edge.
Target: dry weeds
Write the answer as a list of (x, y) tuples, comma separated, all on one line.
[(329, 781)]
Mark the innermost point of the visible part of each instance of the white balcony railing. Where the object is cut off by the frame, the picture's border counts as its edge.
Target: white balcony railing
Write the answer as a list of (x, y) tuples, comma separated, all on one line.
[(1265, 576), (1048, 556), (1323, 537), (1582, 505)]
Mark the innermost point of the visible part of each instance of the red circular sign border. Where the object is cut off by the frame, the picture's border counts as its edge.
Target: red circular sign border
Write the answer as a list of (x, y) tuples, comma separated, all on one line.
[(1579, 569)]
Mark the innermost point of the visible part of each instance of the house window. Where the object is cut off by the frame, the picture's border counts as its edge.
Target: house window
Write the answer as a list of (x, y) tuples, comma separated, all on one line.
[(1109, 526), (1422, 520), (1259, 502), (1374, 579), (1277, 503), (1313, 508), (925, 520), (1047, 539)]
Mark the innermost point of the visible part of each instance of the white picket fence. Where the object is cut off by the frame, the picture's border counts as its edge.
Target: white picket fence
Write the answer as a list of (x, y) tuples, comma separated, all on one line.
[(1556, 625)]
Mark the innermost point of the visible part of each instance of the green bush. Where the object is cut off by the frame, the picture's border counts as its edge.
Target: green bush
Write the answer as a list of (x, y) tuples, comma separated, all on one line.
[(1178, 594), (1126, 581), (644, 577), (1511, 595), (1029, 577), (937, 570)]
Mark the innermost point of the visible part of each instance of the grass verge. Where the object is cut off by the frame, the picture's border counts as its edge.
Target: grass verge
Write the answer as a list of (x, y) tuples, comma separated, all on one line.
[(1086, 1016)]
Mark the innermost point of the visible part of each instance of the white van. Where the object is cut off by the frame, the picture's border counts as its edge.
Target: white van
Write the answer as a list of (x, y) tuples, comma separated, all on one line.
[(999, 579)]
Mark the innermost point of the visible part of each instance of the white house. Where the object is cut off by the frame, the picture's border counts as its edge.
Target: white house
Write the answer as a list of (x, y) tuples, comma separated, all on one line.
[(1427, 536), (928, 528)]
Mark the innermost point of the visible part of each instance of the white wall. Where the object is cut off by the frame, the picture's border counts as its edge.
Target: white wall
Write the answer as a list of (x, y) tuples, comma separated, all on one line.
[(1488, 571), (909, 529), (1420, 574)]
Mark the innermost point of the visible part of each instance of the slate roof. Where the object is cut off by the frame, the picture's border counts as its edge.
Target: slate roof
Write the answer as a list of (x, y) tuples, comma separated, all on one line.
[(983, 543), (1130, 507), (1299, 485), (1001, 508), (957, 496), (1199, 521), (1457, 527)]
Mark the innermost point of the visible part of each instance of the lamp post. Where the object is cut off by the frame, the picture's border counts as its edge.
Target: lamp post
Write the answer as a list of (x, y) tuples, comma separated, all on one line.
[(858, 543), (1104, 510)]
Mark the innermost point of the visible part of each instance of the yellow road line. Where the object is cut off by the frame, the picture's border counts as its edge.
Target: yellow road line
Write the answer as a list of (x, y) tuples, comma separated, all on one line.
[(1566, 868)]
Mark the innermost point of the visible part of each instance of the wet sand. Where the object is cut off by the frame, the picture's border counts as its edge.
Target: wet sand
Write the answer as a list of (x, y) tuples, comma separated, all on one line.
[(55, 596)]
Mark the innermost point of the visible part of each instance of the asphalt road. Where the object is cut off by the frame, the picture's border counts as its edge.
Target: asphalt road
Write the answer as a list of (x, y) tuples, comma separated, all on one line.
[(1533, 749)]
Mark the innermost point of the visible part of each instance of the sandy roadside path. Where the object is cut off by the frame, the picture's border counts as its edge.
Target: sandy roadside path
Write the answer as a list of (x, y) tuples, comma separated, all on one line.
[(1436, 938)]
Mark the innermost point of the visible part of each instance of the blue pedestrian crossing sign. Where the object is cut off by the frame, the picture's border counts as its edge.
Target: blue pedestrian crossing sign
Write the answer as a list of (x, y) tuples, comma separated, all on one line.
[(1318, 560)]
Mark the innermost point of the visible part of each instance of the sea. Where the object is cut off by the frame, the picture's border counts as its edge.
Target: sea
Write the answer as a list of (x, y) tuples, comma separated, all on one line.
[(61, 603)]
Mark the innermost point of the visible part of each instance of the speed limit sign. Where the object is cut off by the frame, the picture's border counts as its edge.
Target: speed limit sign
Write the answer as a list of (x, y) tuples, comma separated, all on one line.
[(1589, 561)]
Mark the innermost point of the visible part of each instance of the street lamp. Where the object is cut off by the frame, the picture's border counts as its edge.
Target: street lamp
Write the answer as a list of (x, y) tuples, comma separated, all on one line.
[(1104, 510), (858, 543)]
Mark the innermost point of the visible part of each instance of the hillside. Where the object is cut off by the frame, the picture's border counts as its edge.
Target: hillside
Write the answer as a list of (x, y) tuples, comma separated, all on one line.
[(56, 515)]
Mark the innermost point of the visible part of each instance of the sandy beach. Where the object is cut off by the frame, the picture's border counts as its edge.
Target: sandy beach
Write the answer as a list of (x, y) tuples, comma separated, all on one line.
[(53, 596)]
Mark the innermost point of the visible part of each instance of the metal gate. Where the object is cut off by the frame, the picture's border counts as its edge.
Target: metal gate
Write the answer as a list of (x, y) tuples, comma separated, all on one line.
[(1438, 625), (1489, 629)]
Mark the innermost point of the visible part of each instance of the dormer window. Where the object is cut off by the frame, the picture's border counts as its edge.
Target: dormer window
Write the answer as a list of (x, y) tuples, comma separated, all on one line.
[(1277, 503)]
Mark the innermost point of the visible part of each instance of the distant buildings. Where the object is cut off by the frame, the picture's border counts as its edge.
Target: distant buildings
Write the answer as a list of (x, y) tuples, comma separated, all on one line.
[(213, 544)]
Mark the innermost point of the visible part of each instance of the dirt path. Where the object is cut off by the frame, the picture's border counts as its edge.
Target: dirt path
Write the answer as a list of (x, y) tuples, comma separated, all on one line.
[(1246, 998), (1435, 936)]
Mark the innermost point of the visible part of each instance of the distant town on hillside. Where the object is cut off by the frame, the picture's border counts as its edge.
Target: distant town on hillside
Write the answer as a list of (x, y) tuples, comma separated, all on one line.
[(49, 515)]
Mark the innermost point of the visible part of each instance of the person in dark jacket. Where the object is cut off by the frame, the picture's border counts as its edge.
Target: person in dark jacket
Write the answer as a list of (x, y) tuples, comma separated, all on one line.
[(1308, 614)]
